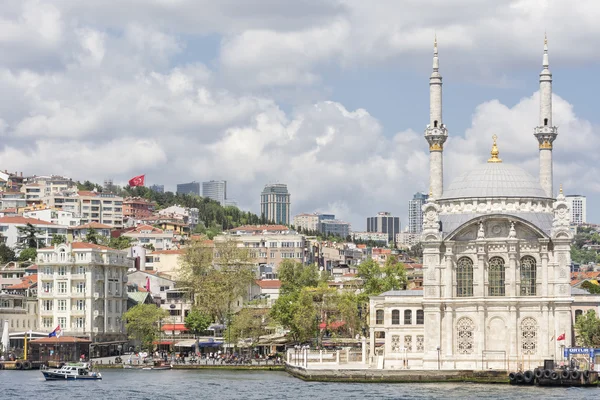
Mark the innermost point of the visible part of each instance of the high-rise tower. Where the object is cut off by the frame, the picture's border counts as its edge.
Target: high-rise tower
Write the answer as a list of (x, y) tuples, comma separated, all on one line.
[(436, 133), (545, 132)]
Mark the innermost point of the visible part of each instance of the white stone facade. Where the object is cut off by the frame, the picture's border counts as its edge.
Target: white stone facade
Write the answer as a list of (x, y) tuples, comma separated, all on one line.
[(82, 288)]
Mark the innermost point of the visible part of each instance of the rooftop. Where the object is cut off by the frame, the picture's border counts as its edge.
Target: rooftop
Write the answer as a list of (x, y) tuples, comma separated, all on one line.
[(18, 220)]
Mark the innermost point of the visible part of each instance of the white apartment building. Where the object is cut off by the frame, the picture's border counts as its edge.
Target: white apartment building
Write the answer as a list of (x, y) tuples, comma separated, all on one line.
[(50, 183), (33, 192), (309, 222), (269, 244), (407, 239), (149, 235), (58, 217), (577, 209), (82, 288), (90, 206), (190, 215), (9, 229)]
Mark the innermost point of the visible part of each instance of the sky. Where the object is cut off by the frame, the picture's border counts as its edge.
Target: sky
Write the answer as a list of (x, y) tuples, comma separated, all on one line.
[(330, 97)]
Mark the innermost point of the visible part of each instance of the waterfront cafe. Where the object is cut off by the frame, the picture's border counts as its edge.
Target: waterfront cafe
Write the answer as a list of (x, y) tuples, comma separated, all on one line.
[(64, 348)]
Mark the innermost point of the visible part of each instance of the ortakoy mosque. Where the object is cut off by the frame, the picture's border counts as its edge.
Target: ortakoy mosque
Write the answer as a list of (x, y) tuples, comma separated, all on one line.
[(496, 262)]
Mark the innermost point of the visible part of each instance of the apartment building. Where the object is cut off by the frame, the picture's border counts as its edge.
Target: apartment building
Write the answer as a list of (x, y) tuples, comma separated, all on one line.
[(310, 222), (384, 222), (137, 207), (82, 288), (148, 235), (335, 227), (9, 229), (50, 183), (215, 190), (269, 244), (9, 200), (191, 216), (415, 212), (80, 232), (275, 203), (90, 206), (577, 209), (64, 218)]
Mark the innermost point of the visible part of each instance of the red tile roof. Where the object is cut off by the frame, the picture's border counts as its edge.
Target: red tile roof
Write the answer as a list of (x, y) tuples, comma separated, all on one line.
[(87, 193), (269, 283), (26, 282), (174, 251), (84, 245), (145, 227), (19, 220), (94, 225)]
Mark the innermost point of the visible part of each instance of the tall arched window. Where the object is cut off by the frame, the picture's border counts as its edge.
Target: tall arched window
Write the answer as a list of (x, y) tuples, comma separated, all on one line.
[(528, 276), (407, 317), (496, 276), (395, 317), (464, 335), (528, 336), (464, 277), (578, 313), (379, 317), (420, 317)]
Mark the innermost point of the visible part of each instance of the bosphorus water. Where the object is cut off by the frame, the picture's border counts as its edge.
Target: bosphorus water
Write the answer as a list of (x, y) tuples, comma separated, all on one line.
[(224, 385)]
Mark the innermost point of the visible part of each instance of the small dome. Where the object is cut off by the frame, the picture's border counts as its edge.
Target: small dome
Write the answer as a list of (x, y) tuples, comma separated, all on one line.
[(495, 180)]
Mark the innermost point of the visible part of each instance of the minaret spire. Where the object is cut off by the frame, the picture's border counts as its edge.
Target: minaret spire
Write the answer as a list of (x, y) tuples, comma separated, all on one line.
[(545, 132), (436, 133)]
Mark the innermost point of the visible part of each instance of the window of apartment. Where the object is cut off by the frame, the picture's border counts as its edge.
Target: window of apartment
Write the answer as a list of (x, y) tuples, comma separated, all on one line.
[(379, 317), (272, 255), (110, 287), (48, 270), (175, 312), (407, 317), (262, 254), (62, 270), (420, 317), (109, 305), (62, 305), (272, 244), (62, 321), (164, 288), (80, 323), (395, 317), (4, 304), (47, 322), (108, 322), (47, 287), (47, 305), (80, 288), (62, 287), (80, 305)]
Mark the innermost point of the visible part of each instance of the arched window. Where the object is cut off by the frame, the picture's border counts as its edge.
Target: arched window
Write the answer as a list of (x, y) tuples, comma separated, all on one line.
[(379, 317), (464, 277), (420, 317), (528, 336), (578, 313), (496, 276), (395, 317), (464, 335), (407, 317), (528, 276), (545, 121), (435, 124)]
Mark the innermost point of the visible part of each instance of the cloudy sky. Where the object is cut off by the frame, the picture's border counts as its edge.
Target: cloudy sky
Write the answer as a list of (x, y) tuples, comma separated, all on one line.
[(328, 96)]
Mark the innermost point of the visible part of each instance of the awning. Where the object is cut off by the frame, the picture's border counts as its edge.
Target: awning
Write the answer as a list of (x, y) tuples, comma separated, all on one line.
[(174, 327), (337, 324), (322, 325), (163, 342), (186, 343), (109, 343)]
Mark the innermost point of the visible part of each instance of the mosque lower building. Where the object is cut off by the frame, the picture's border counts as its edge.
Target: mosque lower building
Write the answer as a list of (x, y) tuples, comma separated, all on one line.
[(496, 263)]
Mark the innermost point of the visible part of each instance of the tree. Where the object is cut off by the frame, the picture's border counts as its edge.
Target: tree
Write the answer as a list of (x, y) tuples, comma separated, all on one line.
[(120, 243), (28, 236), (58, 239), (294, 276), (591, 287), (378, 280), (92, 236), (6, 254), (197, 322), (587, 328), (143, 324), (216, 276), (28, 254), (249, 324)]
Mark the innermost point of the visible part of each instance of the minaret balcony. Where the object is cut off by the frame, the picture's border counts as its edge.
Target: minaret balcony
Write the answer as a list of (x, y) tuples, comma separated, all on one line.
[(439, 131), (545, 130)]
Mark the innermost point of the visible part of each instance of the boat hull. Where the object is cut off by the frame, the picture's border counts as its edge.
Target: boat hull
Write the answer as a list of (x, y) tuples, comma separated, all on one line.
[(51, 376)]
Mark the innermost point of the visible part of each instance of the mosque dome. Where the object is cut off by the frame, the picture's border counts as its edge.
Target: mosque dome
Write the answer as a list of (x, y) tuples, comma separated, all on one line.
[(495, 179)]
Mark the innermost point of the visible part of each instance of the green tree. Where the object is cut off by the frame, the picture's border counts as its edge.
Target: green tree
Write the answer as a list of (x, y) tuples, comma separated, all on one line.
[(6, 254), (92, 236), (28, 236), (143, 324), (217, 277), (249, 324), (58, 239), (197, 322), (591, 287), (120, 243), (28, 254), (294, 276), (378, 280), (587, 328)]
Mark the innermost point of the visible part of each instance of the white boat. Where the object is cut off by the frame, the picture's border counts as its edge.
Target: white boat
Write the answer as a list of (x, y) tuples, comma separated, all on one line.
[(72, 371)]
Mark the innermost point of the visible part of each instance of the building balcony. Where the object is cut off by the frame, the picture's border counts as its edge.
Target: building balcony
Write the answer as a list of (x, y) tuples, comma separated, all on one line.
[(78, 277), (75, 293), (76, 311), (46, 312)]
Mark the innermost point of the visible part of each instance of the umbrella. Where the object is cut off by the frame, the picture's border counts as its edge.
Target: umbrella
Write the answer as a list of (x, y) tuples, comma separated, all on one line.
[(5, 340)]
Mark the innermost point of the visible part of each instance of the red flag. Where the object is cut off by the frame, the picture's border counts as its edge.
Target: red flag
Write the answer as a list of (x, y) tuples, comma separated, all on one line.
[(561, 337), (137, 181)]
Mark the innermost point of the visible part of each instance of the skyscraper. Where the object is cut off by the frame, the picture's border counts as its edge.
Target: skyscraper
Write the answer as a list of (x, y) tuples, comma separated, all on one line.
[(189, 188), (158, 188), (275, 203), (415, 212), (578, 209), (384, 222), (215, 190)]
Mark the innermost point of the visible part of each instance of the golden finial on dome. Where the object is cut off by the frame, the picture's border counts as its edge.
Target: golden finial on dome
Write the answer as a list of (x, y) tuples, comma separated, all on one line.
[(494, 158)]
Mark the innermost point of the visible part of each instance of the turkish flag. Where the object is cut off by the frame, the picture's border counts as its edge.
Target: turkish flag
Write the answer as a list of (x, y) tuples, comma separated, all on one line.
[(561, 337), (137, 181)]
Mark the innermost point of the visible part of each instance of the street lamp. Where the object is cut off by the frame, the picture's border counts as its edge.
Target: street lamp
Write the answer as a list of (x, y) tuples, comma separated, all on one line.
[(317, 331), (438, 351)]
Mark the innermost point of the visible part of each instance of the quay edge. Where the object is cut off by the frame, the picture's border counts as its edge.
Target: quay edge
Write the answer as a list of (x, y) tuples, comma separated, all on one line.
[(397, 376)]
